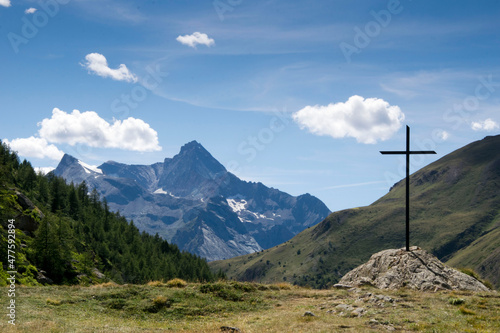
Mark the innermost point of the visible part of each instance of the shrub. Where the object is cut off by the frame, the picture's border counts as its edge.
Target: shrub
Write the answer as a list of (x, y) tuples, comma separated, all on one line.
[(222, 290), (117, 303), (176, 283), (161, 301), (158, 303), (229, 295), (212, 287), (246, 287)]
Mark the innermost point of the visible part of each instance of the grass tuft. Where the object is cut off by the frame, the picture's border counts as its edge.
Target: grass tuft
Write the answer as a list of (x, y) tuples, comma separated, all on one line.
[(176, 283), (456, 301), (155, 283), (466, 311), (284, 286), (105, 285), (53, 302)]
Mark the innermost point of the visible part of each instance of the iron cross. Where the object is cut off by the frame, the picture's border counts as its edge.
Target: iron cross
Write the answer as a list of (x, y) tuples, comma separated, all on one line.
[(408, 152)]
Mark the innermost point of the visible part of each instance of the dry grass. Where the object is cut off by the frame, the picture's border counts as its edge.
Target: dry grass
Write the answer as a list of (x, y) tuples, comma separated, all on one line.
[(250, 307), (176, 283), (104, 285), (155, 283)]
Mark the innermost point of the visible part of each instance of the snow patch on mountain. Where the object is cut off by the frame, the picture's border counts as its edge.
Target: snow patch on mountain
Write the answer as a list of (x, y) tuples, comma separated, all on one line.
[(237, 206), (90, 168)]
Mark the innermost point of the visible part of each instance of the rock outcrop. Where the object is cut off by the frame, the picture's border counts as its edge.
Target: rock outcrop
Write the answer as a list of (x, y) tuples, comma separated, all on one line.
[(24, 221), (415, 269)]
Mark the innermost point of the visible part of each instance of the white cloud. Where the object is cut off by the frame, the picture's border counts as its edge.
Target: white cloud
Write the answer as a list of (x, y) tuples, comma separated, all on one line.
[(43, 170), (5, 3), (35, 147), (368, 120), (195, 38), (97, 64), (486, 125), (90, 129), (30, 10)]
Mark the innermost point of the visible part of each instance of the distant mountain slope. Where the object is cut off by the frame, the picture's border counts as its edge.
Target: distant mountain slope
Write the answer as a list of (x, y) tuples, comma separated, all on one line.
[(194, 202), (455, 206)]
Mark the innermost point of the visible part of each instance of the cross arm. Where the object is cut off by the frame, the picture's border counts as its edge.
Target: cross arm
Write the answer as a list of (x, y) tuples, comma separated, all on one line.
[(393, 152), (403, 152)]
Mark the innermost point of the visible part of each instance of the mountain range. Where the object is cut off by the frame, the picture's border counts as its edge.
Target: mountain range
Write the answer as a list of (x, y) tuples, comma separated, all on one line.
[(193, 201), (455, 215)]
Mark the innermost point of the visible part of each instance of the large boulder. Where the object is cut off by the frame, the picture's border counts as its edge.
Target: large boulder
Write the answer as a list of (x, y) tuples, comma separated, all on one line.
[(27, 222), (415, 269)]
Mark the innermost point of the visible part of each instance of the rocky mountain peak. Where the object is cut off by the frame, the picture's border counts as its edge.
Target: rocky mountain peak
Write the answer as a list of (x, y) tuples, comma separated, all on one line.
[(67, 160), (191, 172), (194, 154), (76, 170), (191, 146), (415, 269)]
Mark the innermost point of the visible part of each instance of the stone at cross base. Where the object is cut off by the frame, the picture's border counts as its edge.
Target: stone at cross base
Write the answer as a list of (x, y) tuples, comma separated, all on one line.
[(416, 269)]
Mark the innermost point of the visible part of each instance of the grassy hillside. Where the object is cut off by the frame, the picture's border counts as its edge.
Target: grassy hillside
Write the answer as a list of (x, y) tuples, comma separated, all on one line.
[(455, 205), (194, 307)]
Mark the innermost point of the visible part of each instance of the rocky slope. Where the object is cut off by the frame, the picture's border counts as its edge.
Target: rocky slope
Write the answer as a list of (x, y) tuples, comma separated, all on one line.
[(194, 202)]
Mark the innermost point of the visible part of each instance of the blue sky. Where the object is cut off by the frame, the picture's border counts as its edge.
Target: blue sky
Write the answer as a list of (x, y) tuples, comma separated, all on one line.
[(299, 95)]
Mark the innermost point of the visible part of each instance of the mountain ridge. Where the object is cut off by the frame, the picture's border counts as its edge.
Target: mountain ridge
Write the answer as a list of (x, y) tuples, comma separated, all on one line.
[(180, 199)]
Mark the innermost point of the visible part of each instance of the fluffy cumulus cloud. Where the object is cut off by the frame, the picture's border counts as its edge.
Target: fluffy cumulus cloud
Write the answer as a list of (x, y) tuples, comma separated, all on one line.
[(30, 10), (35, 147), (486, 125), (5, 3), (96, 63), (90, 129), (43, 170), (367, 120), (195, 39)]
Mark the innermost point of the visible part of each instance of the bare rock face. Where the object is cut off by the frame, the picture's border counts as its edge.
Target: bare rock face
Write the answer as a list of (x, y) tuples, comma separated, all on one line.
[(415, 269)]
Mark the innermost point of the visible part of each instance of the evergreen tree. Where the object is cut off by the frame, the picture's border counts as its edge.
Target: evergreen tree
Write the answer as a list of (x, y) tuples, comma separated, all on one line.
[(79, 225)]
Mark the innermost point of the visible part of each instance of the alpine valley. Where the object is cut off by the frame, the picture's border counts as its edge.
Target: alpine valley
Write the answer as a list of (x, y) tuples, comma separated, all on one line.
[(193, 201)]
